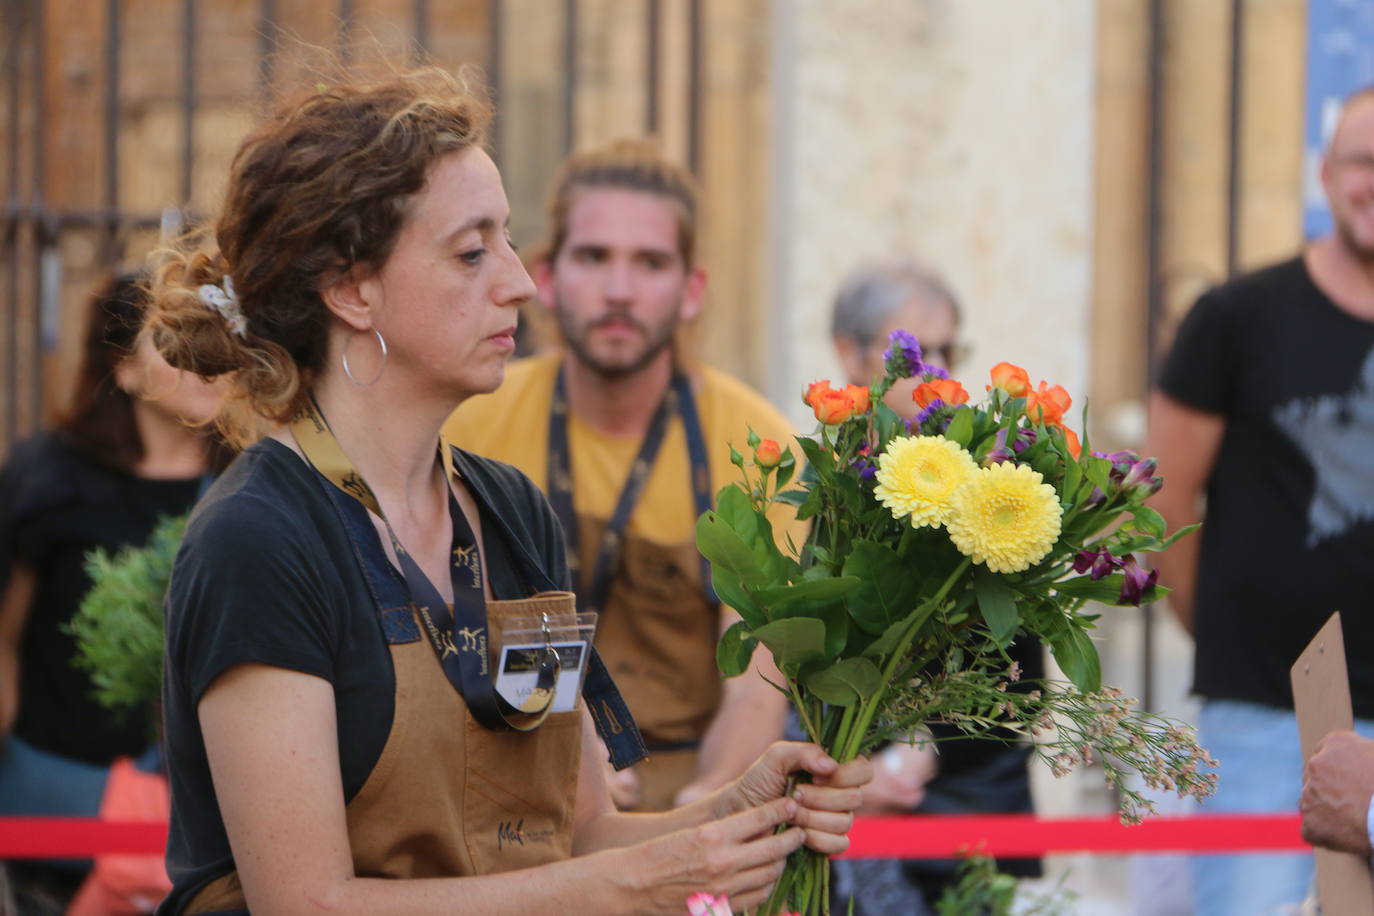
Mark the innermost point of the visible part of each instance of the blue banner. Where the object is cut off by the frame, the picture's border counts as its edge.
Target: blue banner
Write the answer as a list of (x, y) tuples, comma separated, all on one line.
[(1340, 60)]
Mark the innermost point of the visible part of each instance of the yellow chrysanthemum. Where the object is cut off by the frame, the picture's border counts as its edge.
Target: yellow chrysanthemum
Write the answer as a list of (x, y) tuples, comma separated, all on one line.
[(1006, 518), (917, 475)]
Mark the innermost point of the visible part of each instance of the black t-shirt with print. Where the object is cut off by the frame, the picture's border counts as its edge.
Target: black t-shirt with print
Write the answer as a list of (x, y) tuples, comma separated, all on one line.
[(1289, 532), (267, 574), (57, 505)]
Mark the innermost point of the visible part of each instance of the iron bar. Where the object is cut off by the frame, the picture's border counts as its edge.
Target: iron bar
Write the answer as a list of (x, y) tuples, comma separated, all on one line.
[(1233, 138), (569, 74), (496, 30), (188, 99), (420, 13), (696, 54), (14, 18), (267, 44), (654, 15), (1154, 295), (110, 122), (39, 233)]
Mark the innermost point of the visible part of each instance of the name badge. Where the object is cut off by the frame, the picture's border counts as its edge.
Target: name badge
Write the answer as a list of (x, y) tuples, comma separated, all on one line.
[(517, 672)]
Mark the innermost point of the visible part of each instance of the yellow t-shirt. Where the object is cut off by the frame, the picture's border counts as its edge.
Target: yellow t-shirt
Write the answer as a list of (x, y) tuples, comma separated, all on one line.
[(512, 425)]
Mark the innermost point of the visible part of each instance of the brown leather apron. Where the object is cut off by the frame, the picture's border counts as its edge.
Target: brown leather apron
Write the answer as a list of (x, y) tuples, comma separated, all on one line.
[(420, 815), (658, 635)]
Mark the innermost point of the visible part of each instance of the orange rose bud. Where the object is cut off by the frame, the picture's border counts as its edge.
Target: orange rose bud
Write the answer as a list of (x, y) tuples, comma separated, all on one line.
[(858, 394), (814, 391), (768, 454), (940, 389), (1048, 405), (1071, 439), (1011, 379)]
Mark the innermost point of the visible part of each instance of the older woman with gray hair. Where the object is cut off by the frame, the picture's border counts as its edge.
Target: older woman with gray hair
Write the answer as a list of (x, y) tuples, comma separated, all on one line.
[(879, 298)]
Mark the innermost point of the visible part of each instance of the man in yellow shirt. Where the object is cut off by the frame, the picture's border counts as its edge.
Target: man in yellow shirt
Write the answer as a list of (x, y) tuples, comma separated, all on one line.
[(631, 444)]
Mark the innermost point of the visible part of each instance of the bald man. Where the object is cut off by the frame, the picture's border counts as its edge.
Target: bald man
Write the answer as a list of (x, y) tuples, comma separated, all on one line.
[(1265, 407)]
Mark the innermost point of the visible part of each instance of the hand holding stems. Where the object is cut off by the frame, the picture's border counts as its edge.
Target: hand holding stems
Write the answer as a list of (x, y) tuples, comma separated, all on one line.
[(1338, 782), (758, 820)]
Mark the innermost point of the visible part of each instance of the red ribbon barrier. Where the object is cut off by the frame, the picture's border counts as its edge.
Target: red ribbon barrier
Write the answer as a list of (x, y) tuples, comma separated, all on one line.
[(916, 837), (1013, 835)]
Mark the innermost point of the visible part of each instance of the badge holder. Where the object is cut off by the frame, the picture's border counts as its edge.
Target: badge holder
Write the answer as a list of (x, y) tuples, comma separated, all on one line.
[(531, 647)]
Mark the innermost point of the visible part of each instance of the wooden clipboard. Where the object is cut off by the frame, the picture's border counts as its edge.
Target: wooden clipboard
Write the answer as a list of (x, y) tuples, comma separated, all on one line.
[(1321, 696)]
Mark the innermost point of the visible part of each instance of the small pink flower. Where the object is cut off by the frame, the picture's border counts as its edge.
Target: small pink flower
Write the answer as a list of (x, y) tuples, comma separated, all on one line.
[(708, 905)]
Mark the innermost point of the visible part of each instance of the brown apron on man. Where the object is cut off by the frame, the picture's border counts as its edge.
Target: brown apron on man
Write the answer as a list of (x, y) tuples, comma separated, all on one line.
[(657, 633), (446, 801)]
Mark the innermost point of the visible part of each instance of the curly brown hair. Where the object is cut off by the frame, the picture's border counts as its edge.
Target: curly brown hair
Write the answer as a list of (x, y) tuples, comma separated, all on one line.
[(322, 186)]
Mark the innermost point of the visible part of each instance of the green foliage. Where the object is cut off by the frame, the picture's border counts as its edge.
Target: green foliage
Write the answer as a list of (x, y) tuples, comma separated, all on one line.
[(118, 628), (979, 889)]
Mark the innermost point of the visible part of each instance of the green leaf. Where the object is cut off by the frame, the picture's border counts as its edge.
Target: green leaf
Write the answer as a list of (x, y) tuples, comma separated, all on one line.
[(1149, 521), (1106, 590), (846, 682), (961, 427), (819, 589), (1182, 532), (728, 552), (837, 628), (1099, 472), (793, 640), (786, 468), (1077, 655), (887, 591), (792, 497), (817, 455), (1073, 477), (735, 507), (886, 643), (998, 603), (732, 594), (735, 649)]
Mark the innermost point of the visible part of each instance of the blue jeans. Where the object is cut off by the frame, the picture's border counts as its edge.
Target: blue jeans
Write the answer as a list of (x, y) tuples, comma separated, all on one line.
[(1260, 770)]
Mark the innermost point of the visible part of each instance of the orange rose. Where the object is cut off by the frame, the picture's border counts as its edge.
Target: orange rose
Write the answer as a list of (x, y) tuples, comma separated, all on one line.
[(940, 389), (768, 454), (1011, 379), (814, 391), (1047, 405), (858, 394), (833, 406)]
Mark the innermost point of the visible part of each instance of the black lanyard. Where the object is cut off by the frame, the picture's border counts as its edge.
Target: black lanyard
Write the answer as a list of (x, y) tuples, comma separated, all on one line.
[(677, 399), (462, 650)]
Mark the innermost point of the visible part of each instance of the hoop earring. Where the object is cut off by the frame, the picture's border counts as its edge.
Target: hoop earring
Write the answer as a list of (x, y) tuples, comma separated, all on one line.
[(343, 357)]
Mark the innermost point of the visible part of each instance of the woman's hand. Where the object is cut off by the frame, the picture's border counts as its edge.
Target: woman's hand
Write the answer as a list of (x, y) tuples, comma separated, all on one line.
[(740, 856), (826, 805)]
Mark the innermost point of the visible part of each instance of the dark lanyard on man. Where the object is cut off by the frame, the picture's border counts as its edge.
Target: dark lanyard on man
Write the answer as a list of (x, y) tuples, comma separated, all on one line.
[(678, 399), (459, 639)]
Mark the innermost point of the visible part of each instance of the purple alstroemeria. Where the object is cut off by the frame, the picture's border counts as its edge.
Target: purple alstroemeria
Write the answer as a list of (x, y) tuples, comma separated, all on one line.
[(1000, 451), (1025, 438), (902, 358), (1137, 581), (1140, 481), (1097, 563)]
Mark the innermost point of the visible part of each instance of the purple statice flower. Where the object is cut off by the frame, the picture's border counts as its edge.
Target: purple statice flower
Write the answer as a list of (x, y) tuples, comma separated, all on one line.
[(1137, 581), (902, 358), (865, 465), (927, 413), (930, 372)]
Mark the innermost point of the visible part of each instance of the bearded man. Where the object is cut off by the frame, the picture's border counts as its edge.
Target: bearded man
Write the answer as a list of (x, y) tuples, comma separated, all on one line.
[(630, 443)]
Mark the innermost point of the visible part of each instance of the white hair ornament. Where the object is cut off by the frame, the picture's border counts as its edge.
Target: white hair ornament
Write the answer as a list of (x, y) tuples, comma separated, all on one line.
[(221, 298)]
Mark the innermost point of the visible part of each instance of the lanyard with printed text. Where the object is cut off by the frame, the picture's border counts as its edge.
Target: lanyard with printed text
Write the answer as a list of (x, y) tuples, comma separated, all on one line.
[(459, 639), (677, 399)]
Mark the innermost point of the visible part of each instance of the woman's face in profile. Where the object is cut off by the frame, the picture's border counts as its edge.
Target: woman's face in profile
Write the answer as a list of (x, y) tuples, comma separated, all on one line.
[(934, 325), (177, 395)]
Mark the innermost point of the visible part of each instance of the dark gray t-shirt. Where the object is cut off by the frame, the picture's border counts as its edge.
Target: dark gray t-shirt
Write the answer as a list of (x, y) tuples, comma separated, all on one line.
[(267, 574), (1289, 534)]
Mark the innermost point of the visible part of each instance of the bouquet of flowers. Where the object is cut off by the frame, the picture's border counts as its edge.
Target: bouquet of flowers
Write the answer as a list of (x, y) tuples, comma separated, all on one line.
[(935, 544)]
